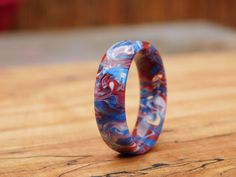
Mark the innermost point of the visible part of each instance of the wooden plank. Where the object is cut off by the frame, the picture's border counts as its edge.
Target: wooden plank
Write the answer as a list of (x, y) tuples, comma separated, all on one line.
[(35, 15), (48, 126)]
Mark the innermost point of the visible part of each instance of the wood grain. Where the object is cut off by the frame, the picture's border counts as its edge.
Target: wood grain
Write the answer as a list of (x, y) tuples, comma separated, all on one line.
[(48, 127), (54, 14)]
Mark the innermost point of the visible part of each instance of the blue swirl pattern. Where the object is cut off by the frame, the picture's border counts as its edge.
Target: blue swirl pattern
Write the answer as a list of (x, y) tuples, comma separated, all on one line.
[(110, 97)]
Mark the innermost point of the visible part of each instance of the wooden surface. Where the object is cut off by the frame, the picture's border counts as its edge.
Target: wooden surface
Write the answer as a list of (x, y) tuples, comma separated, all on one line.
[(54, 14), (47, 123)]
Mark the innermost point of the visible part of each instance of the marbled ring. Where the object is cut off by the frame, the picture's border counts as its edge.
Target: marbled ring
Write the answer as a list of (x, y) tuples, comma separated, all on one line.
[(110, 97)]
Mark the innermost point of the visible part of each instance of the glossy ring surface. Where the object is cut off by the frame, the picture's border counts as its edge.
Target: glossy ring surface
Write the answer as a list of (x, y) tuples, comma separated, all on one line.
[(109, 95)]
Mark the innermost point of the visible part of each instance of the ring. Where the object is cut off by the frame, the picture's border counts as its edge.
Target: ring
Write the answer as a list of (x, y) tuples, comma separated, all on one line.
[(109, 102)]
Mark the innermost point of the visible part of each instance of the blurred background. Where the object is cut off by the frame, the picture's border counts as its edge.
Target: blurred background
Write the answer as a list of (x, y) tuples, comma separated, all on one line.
[(56, 31)]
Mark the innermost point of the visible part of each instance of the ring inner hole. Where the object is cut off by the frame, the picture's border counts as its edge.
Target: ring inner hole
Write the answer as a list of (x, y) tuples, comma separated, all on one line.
[(132, 96), (147, 116)]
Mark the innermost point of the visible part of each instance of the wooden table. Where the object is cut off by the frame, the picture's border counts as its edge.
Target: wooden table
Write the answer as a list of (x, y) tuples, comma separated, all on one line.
[(47, 123)]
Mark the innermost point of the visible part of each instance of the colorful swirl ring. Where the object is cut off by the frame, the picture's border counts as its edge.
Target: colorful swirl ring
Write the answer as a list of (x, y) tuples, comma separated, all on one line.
[(110, 97)]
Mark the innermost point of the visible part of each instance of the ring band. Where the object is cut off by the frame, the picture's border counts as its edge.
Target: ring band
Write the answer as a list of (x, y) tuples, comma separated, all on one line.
[(110, 97)]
